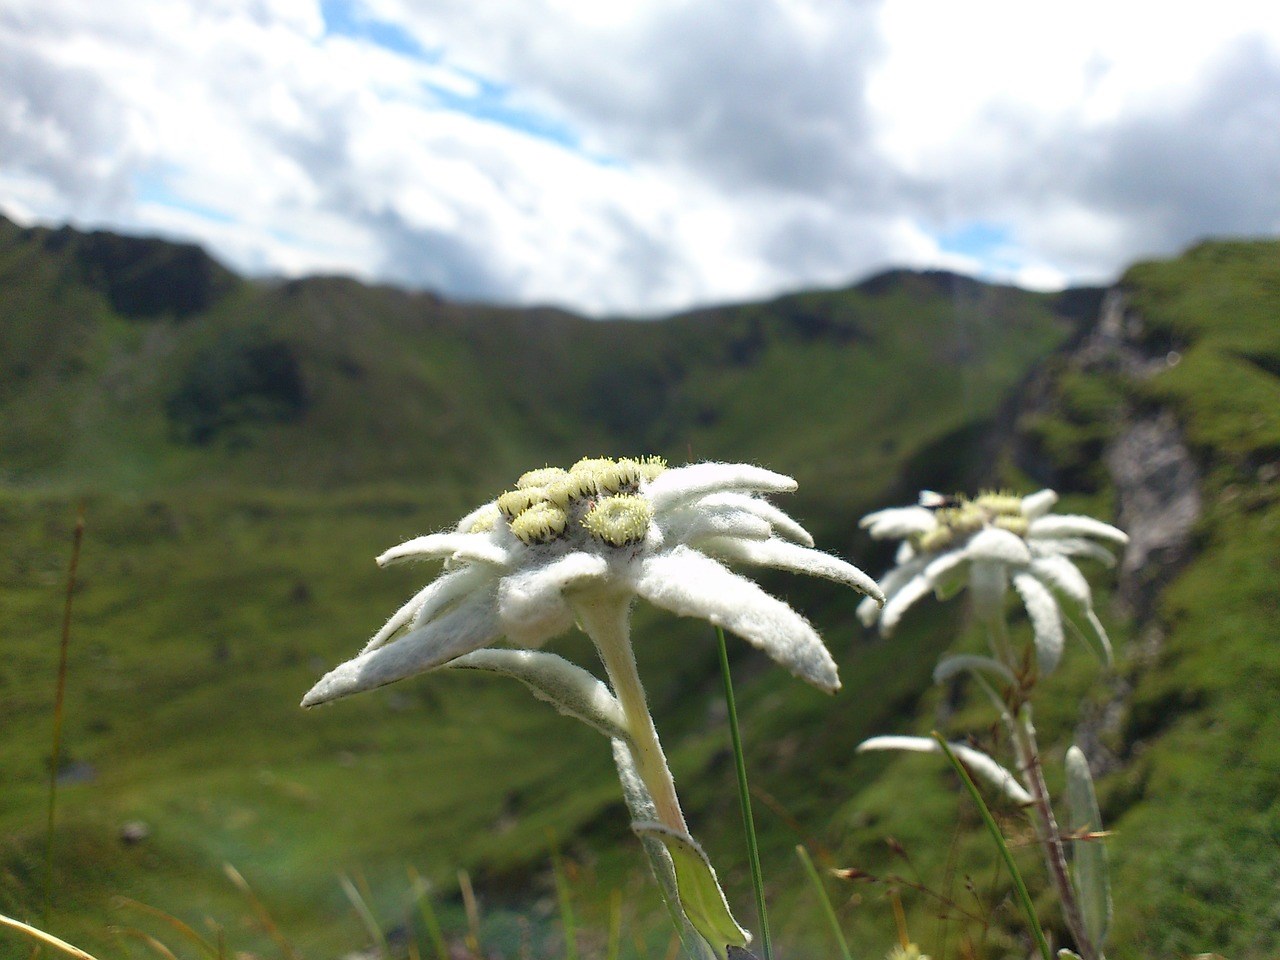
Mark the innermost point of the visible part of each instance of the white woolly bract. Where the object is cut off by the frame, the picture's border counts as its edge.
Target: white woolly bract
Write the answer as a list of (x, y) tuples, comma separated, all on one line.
[(1038, 504), (997, 546), (1046, 621), (466, 547), (695, 522), (690, 584), (1069, 525), (975, 760), (897, 523), (781, 522), (567, 687), (680, 484), (531, 602), (429, 601), (785, 555), (469, 626)]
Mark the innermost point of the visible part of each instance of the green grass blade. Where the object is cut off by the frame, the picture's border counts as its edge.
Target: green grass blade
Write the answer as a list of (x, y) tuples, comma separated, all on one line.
[(566, 904), (363, 910), (422, 894), (744, 797), (993, 828), (832, 919)]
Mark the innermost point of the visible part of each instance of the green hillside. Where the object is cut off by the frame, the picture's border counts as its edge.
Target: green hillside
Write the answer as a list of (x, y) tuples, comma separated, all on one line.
[(244, 448)]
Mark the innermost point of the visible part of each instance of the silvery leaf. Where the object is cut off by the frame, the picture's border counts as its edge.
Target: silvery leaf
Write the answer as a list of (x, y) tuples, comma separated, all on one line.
[(1089, 857), (975, 760)]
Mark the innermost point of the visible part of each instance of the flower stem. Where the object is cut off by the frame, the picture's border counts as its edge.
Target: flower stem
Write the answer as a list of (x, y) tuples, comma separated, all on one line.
[(744, 798), (606, 620), (1027, 751), (1001, 844)]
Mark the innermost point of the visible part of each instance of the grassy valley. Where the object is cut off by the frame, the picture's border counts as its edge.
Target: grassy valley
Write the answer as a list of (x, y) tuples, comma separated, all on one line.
[(244, 448)]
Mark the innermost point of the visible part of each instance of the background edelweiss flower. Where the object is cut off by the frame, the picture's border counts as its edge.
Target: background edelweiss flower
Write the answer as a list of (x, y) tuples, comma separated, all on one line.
[(986, 544), (525, 566)]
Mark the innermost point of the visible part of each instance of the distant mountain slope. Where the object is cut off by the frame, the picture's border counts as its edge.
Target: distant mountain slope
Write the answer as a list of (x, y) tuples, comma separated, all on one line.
[(136, 364)]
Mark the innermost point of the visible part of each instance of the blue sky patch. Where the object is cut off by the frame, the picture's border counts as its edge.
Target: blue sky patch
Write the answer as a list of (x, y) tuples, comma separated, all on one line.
[(979, 238), (344, 18), (153, 188)]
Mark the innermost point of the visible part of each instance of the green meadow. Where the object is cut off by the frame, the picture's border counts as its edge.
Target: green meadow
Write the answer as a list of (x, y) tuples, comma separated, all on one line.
[(243, 449)]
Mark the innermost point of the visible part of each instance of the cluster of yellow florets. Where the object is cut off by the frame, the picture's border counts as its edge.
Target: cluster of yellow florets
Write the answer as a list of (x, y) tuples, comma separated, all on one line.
[(960, 517), (597, 494)]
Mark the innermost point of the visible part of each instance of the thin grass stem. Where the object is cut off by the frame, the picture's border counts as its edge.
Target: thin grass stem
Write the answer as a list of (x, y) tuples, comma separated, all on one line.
[(1002, 845), (825, 900), (260, 911), (472, 910), (58, 705), (47, 939), (744, 798), (182, 928), (615, 925)]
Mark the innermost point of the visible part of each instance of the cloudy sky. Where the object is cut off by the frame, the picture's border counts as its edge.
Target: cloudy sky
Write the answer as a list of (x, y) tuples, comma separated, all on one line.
[(636, 157)]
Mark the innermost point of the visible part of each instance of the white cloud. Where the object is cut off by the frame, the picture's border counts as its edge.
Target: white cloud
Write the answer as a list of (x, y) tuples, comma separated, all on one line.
[(635, 156)]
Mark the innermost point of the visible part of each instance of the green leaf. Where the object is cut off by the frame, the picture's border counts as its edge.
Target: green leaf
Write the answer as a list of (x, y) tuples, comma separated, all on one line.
[(700, 894), (1089, 857)]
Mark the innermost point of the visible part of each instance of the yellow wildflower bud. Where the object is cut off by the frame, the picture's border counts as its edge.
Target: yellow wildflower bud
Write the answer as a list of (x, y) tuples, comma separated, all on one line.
[(619, 520), (515, 502), (540, 523), (540, 477)]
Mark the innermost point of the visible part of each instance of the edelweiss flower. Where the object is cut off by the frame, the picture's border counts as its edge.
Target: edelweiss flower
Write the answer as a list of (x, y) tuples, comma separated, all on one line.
[(529, 563), (577, 545), (987, 543)]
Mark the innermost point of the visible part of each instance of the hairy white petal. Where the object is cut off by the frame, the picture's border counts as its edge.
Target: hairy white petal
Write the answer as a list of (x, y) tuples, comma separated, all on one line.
[(1072, 547), (531, 603), (1046, 620), (778, 519), (1038, 504), (1071, 525), (901, 600), (567, 687), (684, 483), (430, 600), (952, 664), (694, 522), (975, 760), (897, 523), (469, 626), (473, 547), (1060, 575), (906, 552), (788, 556), (938, 569), (998, 546), (690, 584)]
